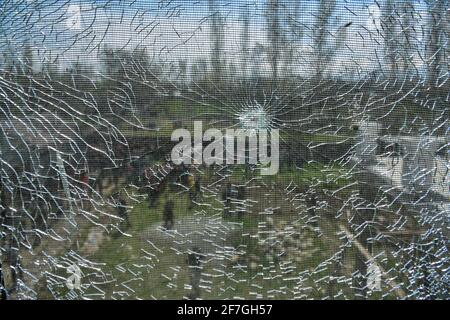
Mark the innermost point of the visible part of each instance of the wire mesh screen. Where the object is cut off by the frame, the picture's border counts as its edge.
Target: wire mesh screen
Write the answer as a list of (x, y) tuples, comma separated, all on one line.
[(265, 149)]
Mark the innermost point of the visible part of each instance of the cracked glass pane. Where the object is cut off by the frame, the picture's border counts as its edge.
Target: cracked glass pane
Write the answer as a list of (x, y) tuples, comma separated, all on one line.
[(271, 149)]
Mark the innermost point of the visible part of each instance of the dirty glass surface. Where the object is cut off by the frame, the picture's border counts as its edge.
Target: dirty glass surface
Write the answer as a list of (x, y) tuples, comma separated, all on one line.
[(262, 149)]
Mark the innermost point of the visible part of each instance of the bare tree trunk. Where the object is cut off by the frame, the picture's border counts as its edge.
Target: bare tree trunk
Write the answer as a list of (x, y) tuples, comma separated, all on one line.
[(408, 42), (273, 36), (244, 39), (389, 24), (217, 39), (295, 36), (324, 52), (435, 46)]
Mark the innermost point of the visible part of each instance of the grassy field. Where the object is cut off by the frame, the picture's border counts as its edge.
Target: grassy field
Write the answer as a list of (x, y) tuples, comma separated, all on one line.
[(144, 263), (138, 269)]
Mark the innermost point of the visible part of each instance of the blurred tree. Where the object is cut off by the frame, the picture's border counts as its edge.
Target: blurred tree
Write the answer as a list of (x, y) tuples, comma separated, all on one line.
[(326, 45), (231, 71), (408, 41), (245, 16), (199, 70), (273, 36), (124, 65), (389, 23), (257, 53), (398, 23), (131, 82), (217, 40), (294, 35), (182, 67), (437, 39), (49, 67), (27, 58)]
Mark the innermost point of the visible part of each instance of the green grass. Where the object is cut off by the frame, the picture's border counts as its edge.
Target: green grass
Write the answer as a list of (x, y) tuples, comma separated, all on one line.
[(165, 129), (325, 138), (330, 177), (151, 275), (179, 108)]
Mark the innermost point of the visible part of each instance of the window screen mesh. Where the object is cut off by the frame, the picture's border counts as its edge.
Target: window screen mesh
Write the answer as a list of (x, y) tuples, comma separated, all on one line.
[(224, 149)]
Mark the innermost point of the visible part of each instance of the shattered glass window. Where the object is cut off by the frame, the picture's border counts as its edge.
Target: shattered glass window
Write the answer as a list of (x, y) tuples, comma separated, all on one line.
[(224, 149)]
